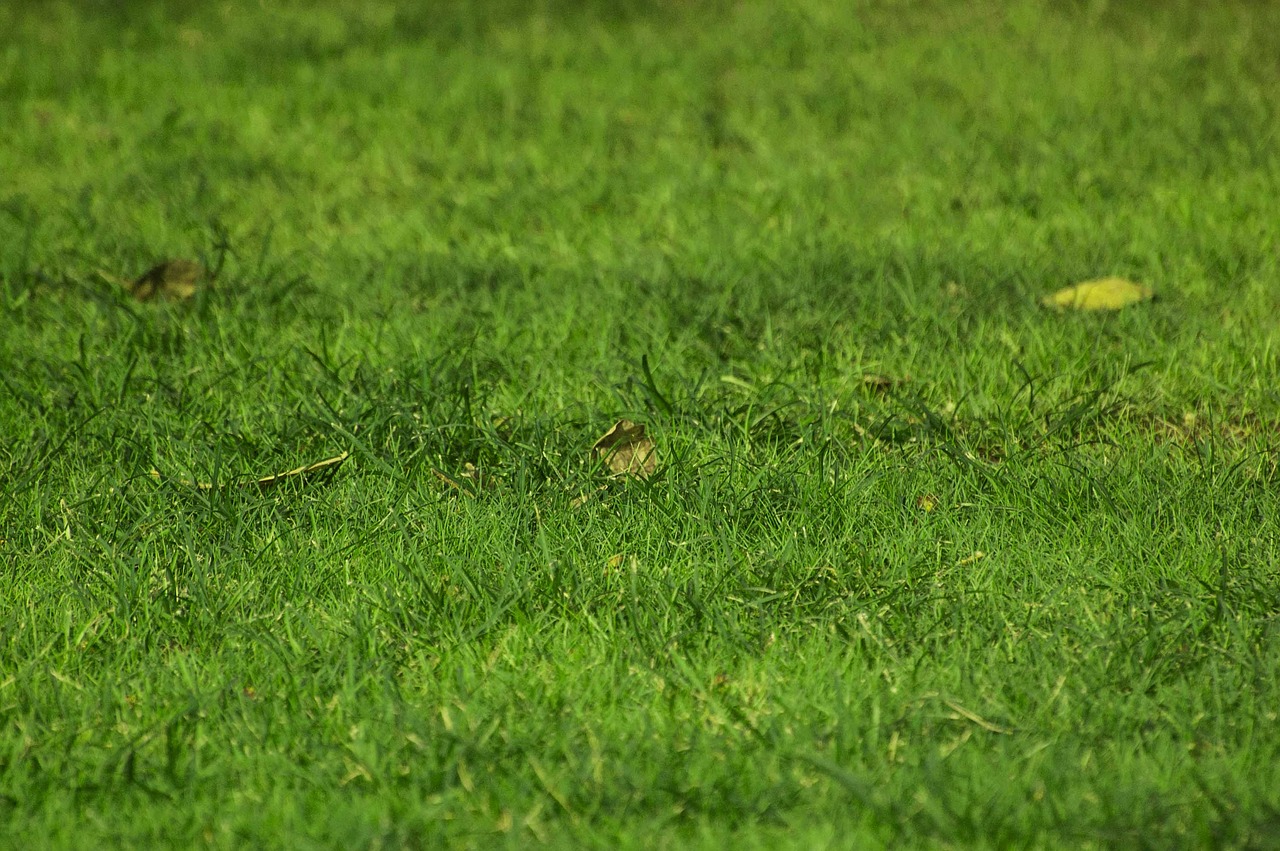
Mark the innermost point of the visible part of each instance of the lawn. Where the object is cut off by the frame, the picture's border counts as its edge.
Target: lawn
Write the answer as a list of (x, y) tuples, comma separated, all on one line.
[(922, 562)]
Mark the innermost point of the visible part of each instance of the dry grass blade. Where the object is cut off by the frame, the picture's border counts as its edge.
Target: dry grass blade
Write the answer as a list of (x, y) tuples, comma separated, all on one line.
[(626, 450), (970, 715), (328, 465), (319, 468)]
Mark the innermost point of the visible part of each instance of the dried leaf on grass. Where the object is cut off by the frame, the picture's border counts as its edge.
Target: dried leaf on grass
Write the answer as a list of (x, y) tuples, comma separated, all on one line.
[(626, 450), (174, 280), (1102, 294), (882, 383), (307, 471)]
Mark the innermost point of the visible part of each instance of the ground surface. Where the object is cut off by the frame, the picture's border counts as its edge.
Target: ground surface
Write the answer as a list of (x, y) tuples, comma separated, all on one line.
[(1028, 595)]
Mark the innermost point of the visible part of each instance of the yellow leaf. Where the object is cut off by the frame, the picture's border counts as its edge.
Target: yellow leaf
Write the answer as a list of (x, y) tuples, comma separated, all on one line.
[(1102, 294), (626, 450)]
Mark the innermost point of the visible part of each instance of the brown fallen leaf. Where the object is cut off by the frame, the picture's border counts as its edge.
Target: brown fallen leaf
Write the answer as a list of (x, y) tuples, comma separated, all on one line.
[(926, 502), (882, 383), (626, 450), (307, 470), (175, 280)]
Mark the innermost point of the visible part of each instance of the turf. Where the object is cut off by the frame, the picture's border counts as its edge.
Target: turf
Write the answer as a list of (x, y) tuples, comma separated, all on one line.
[(1023, 592)]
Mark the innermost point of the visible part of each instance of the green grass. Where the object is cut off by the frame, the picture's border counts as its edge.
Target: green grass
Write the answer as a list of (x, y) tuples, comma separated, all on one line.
[(482, 233)]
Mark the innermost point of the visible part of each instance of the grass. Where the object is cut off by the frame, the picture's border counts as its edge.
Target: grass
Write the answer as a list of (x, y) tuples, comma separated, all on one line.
[(1027, 597)]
